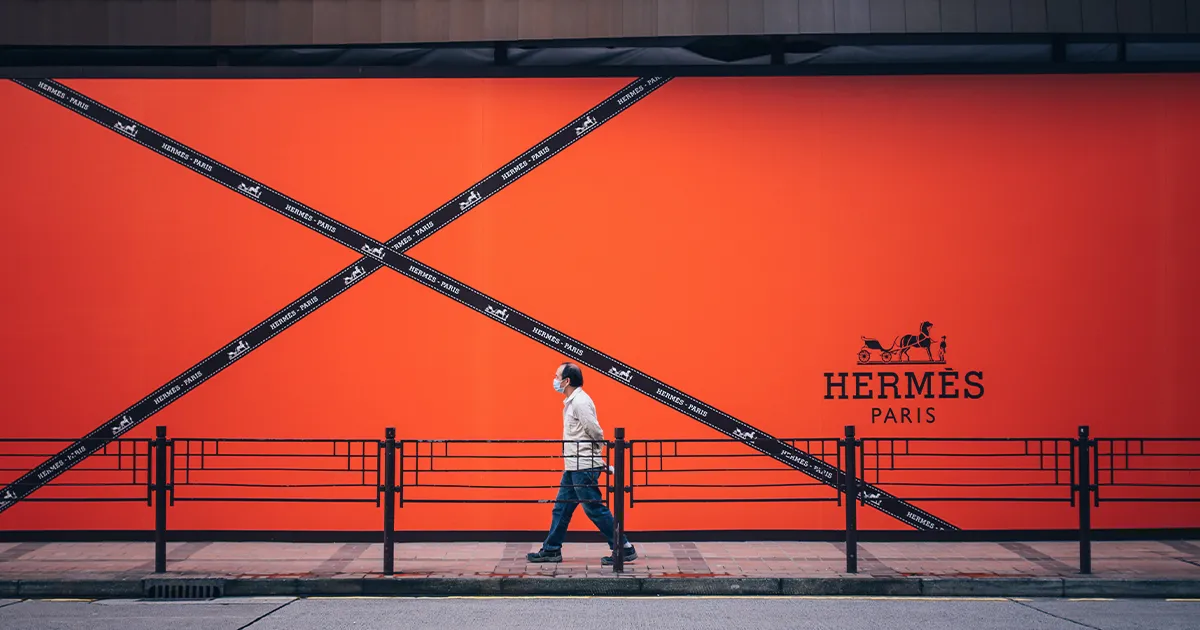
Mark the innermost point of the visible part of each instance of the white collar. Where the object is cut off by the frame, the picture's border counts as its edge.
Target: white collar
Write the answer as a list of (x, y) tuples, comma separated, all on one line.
[(567, 400)]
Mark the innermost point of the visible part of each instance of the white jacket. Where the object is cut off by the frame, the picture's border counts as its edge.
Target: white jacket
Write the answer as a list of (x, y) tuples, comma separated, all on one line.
[(580, 423)]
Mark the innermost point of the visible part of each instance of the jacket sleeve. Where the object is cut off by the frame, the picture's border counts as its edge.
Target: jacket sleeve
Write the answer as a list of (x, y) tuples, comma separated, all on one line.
[(586, 414)]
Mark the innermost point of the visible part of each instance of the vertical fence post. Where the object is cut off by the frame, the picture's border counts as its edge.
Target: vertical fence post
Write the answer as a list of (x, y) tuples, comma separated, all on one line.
[(1085, 500), (850, 487), (160, 499), (618, 465), (389, 501)]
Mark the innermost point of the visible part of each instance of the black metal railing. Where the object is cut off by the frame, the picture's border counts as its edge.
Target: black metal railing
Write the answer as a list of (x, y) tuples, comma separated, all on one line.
[(1081, 472)]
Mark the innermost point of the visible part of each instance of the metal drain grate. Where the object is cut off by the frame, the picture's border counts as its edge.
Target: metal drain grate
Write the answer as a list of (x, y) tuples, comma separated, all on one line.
[(184, 589)]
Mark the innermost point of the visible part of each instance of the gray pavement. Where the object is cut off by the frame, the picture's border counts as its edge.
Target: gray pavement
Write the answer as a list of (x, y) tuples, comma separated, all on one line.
[(590, 613)]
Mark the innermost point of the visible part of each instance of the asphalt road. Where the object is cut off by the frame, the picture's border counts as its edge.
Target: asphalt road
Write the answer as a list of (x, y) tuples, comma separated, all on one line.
[(662, 613)]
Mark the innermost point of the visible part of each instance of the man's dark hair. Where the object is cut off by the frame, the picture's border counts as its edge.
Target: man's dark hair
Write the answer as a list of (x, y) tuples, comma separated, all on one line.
[(572, 374)]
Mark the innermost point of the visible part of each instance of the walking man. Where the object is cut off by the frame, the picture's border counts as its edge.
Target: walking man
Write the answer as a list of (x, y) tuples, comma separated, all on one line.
[(582, 465)]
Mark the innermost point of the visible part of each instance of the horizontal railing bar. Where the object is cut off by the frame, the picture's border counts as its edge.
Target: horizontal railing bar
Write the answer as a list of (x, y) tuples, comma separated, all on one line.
[(667, 471), (1149, 500), (991, 499), (918, 484), (730, 485), (910, 454), (371, 456), (408, 500), (1149, 485), (214, 469), (880, 440), (1155, 439), (440, 456), (948, 469), (467, 485), (194, 484), (747, 500), (268, 500), (409, 471), (140, 499)]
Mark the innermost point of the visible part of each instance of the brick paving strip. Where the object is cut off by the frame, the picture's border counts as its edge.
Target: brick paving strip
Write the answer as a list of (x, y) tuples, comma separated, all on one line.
[(1040, 569), (16, 551), (341, 558), (178, 554), (689, 558), (513, 561), (1039, 558), (868, 563), (1192, 550), (1184, 546)]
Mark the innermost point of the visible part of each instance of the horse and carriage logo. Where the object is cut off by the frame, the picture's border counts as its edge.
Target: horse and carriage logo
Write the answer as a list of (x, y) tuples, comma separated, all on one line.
[(471, 200), (129, 130), (588, 123), (375, 252), (873, 351)]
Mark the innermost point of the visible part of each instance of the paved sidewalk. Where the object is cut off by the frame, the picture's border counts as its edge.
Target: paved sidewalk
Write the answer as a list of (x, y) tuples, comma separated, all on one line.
[(1151, 568)]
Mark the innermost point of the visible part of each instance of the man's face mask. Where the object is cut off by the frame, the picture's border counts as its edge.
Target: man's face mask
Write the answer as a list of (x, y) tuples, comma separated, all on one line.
[(559, 385)]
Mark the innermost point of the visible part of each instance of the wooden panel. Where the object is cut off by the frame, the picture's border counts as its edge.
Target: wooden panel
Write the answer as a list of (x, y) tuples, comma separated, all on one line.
[(80, 22), (1029, 16), (993, 16), (433, 20), (330, 21), (536, 19), (711, 17), (1064, 16), (1133, 16), (1169, 16), (852, 16), (362, 22), (746, 17), (501, 19), (1100, 16), (604, 18), (639, 18), (570, 20), (887, 16), (399, 21), (958, 17), (675, 17), (922, 16), (817, 16), (784, 16), (119, 16), (466, 21), (228, 19), (12, 16), (295, 22), (262, 22), (298, 22)]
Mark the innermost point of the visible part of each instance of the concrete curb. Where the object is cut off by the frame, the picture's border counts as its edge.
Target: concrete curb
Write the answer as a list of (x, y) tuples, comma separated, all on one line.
[(136, 587)]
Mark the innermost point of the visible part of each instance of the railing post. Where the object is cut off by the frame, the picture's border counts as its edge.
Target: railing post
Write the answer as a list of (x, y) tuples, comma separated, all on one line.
[(618, 465), (1085, 501), (389, 501), (850, 487), (160, 499)]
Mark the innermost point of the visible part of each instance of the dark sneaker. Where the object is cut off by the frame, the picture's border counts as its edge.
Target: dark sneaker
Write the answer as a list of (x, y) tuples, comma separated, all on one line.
[(630, 554), (542, 555)]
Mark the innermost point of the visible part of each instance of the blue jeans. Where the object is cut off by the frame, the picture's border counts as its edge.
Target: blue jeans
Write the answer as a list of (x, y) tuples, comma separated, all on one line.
[(576, 487)]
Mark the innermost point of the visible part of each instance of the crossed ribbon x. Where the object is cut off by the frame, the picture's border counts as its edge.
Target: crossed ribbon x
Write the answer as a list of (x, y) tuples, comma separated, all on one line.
[(390, 254)]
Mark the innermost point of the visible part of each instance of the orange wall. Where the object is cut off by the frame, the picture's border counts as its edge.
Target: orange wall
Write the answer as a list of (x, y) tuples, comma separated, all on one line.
[(732, 237)]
